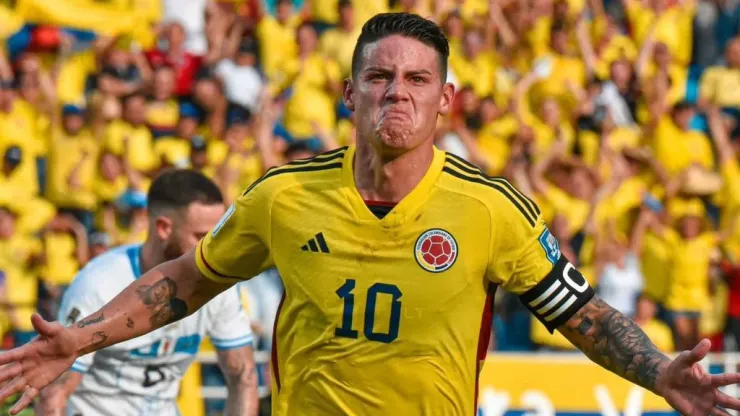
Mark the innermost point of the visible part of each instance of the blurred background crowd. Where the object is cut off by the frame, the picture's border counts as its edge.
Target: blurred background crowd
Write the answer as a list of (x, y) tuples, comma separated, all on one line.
[(620, 118)]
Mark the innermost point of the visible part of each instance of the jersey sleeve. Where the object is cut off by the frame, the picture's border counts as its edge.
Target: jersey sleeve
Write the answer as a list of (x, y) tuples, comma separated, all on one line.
[(238, 247), (79, 301), (228, 325), (525, 259)]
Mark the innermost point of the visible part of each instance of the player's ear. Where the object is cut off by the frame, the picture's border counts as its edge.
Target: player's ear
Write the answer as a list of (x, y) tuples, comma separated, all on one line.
[(163, 227), (445, 101), (347, 94)]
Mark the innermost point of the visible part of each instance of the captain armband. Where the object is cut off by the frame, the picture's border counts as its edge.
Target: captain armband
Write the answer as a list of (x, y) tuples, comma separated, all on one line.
[(558, 296)]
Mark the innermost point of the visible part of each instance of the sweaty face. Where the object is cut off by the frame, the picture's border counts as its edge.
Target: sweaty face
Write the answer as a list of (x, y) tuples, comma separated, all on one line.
[(398, 93), (189, 226)]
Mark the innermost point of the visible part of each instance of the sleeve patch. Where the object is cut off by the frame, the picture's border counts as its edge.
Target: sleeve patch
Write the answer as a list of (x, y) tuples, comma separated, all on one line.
[(551, 246), (559, 295)]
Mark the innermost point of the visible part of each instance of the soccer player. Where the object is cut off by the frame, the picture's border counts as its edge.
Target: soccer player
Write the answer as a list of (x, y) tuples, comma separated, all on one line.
[(142, 375), (390, 253)]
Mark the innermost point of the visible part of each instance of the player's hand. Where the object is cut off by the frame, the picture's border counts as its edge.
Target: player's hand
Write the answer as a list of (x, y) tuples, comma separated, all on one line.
[(33, 366), (687, 387)]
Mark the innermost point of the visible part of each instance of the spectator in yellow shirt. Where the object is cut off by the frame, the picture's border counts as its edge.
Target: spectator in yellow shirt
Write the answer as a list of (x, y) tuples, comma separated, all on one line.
[(277, 37), (131, 137), (72, 165), (162, 109), (560, 66), (720, 85), (18, 128), (111, 181), (676, 146), (339, 43), (692, 246), (316, 84), (19, 255), (12, 176), (656, 60), (174, 151), (476, 65)]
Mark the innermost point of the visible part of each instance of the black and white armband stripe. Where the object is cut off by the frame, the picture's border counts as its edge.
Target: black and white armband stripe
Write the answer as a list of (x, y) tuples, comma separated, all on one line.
[(559, 295)]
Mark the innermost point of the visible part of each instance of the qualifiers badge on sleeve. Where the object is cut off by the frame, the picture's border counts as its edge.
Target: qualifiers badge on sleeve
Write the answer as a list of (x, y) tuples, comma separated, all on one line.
[(435, 250), (551, 246)]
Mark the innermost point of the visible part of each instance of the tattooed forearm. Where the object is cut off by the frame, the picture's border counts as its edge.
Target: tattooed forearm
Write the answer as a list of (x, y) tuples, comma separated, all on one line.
[(616, 343), (161, 299), (89, 321)]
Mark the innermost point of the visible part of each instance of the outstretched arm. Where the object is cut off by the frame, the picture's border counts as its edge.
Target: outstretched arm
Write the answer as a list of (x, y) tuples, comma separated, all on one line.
[(240, 373), (165, 294), (613, 341)]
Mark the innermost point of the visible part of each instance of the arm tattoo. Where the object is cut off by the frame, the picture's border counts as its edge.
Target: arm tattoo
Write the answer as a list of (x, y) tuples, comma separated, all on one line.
[(161, 299), (129, 323), (99, 338), (615, 342), (89, 321)]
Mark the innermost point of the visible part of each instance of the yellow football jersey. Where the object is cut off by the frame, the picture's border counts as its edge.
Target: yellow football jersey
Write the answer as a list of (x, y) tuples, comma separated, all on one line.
[(391, 315)]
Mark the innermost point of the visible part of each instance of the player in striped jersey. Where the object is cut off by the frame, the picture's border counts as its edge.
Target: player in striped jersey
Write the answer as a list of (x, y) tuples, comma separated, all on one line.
[(143, 375), (390, 253)]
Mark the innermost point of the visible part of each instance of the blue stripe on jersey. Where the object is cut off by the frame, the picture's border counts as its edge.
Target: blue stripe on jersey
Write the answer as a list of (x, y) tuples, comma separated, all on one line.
[(79, 368), (224, 344), (134, 256), (233, 347)]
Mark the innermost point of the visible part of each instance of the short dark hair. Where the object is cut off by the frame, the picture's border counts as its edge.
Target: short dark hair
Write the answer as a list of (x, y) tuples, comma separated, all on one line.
[(178, 188), (405, 24)]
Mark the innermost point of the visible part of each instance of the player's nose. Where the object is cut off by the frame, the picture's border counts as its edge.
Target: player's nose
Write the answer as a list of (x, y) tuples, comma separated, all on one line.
[(397, 90)]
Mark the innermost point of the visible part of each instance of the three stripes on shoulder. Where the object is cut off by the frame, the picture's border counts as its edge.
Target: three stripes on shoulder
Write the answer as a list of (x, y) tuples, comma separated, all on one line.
[(462, 169)]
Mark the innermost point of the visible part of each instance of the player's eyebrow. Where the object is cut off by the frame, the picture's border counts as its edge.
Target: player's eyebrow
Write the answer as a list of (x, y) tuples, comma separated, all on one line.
[(413, 72), (419, 72), (378, 69)]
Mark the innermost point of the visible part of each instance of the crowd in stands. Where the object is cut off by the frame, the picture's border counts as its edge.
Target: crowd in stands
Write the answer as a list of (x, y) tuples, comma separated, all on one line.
[(620, 118)]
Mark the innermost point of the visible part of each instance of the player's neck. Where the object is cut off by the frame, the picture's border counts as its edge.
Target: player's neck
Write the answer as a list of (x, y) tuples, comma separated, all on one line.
[(151, 256), (389, 179)]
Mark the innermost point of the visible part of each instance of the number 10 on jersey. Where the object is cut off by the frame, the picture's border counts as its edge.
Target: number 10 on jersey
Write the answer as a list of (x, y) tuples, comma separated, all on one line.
[(346, 293)]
